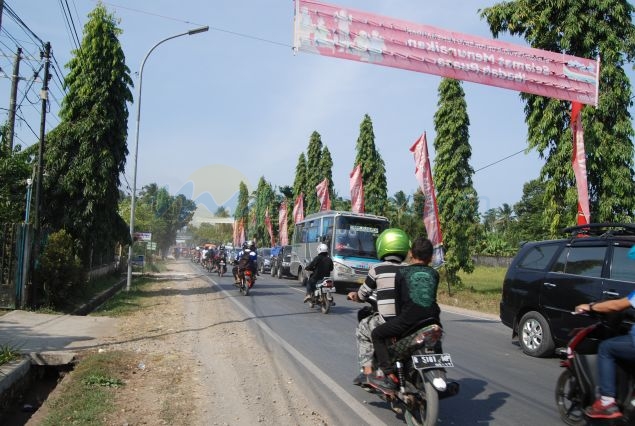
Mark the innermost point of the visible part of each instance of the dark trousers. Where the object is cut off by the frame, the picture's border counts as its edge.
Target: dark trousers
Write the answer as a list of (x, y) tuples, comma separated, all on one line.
[(396, 327)]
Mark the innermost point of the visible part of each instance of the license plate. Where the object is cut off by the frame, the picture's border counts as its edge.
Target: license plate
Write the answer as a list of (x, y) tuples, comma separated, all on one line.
[(421, 362), (328, 289)]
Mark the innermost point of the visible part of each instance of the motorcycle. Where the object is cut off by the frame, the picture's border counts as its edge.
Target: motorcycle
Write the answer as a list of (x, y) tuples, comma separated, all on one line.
[(246, 281), (222, 268), (323, 295), (576, 386), (420, 365)]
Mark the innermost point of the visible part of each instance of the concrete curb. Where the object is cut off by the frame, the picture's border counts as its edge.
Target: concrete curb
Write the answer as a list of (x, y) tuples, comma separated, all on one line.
[(13, 374)]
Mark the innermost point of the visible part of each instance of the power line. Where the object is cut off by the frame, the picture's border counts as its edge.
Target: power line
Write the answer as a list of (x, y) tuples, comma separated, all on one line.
[(499, 161)]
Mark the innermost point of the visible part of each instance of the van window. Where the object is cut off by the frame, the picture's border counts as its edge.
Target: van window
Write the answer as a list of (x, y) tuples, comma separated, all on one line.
[(622, 267), (584, 261), (538, 257)]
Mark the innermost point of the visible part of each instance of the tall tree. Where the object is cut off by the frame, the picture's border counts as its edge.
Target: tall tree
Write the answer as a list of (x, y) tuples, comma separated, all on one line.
[(585, 28), (264, 199), (313, 155), (242, 205), (300, 180), (456, 196), (373, 169), (326, 169), (86, 152)]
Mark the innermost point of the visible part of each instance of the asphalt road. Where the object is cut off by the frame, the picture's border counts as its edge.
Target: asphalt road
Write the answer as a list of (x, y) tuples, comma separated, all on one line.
[(499, 384)]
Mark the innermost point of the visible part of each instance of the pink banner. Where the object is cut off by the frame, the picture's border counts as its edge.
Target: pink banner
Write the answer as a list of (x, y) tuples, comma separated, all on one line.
[(283, 230), (269, 228), (357, 190), (298, 209), (323, 195), (423, 173), (239, 233), (344, 33), (578, 160)]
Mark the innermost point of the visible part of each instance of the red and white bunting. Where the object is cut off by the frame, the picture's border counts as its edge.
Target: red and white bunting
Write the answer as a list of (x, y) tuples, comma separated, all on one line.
[(357, 190), (323, 195), (283, 231), (298, 209), (578, 160)]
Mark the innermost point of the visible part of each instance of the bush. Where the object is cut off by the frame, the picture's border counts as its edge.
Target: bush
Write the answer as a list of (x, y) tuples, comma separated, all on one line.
[(61, 271)]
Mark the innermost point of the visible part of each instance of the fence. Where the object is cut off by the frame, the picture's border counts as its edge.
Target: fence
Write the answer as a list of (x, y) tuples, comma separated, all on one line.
[(492, 261)]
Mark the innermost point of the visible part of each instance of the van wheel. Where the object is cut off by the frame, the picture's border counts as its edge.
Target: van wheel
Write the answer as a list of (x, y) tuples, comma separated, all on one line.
[(534, 335), (300, 277)]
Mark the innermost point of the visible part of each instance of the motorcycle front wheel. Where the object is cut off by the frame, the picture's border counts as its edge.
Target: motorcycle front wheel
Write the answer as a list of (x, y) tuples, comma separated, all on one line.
[(426, 411), (569, 400)]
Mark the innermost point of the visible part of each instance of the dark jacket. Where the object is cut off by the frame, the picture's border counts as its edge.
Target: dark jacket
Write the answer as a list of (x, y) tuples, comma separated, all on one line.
[(321, 267)]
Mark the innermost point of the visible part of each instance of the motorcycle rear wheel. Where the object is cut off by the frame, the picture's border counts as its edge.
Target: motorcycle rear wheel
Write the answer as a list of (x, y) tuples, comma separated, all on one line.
[(426, 412), (244, 287), (569, 400), (326, 304)]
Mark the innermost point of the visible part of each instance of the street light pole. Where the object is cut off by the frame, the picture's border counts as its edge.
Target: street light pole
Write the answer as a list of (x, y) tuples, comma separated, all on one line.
[(136, 149)]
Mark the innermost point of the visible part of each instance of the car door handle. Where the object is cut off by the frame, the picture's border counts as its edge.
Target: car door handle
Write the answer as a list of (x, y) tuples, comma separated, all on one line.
[(611, 293), (550, 285)]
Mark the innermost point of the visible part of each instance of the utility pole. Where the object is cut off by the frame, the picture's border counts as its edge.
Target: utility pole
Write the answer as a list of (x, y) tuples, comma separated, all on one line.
[(40, 168), (1, 11), (12, 101)]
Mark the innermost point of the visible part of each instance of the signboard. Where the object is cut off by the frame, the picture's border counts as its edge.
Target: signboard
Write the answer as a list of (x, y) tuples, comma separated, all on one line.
[(143, 236), (360, 36)]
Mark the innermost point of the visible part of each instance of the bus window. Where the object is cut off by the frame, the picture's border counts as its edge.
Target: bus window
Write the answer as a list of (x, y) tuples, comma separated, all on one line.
[(299, 233), (312, 231), (327, 230)]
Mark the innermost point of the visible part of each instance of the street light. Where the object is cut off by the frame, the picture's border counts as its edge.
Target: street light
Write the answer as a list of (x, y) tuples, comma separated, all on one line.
[(136, 149)]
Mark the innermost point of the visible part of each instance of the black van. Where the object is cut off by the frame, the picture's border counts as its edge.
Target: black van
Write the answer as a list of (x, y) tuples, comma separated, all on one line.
[(281, 262), (547, 279)]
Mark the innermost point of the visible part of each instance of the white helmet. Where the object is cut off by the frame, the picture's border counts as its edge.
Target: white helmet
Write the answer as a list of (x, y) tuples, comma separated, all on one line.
[(322, 248)]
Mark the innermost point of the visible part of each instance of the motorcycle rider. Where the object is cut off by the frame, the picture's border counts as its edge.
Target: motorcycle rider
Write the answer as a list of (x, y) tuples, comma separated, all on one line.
[(247, 258), (620, 347), (320, 267), (415, 300), (378, 289)]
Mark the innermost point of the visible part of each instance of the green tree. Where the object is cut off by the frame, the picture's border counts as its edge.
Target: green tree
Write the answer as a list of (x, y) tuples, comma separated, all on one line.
[(414, 226), (530, 224), (373, 169), (586, 28), (242, 206), (265, 199), (325, 170), (313, 155), (456, 196), (300, 181), (399, 209), (15, 169), (86, 152)]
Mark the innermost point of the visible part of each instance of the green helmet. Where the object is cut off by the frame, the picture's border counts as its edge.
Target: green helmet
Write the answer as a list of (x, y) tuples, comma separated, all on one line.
[(392, 241)]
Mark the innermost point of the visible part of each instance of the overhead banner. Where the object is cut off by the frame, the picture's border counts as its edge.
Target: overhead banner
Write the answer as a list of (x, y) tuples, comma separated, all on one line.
[(344, 33)]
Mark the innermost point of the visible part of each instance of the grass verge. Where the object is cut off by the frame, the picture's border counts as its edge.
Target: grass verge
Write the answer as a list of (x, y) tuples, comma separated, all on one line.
[(86, 396), (481, 290)]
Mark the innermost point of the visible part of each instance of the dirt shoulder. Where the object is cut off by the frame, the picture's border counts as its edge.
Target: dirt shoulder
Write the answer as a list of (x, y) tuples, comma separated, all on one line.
[(191, 359)]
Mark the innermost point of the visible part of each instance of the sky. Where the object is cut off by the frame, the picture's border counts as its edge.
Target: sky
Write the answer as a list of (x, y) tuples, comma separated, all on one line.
[(235, 103)]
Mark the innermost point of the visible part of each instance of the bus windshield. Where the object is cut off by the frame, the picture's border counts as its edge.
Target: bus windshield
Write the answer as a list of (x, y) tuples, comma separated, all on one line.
[(355, 236)]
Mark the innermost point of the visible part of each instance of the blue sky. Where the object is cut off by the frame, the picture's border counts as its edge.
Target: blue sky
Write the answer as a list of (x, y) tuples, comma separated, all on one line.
[(235, 103)]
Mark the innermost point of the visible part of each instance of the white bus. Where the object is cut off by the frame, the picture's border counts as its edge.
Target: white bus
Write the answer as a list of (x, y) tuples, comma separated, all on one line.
[(351, 241)]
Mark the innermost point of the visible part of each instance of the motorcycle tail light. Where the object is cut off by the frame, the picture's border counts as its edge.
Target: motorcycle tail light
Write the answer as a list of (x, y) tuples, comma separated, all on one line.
[(429, 336)]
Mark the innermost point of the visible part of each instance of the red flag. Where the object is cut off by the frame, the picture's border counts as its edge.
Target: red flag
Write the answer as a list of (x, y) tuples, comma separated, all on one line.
[(423, 173), (323, 195), (357, 190), (282, 224), (239, 233), (578, 160), (269, 227), (298, 209)]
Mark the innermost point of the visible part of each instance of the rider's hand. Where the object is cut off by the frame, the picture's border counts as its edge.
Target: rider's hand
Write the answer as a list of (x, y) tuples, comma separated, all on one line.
[(580, 309), (352, 296)]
